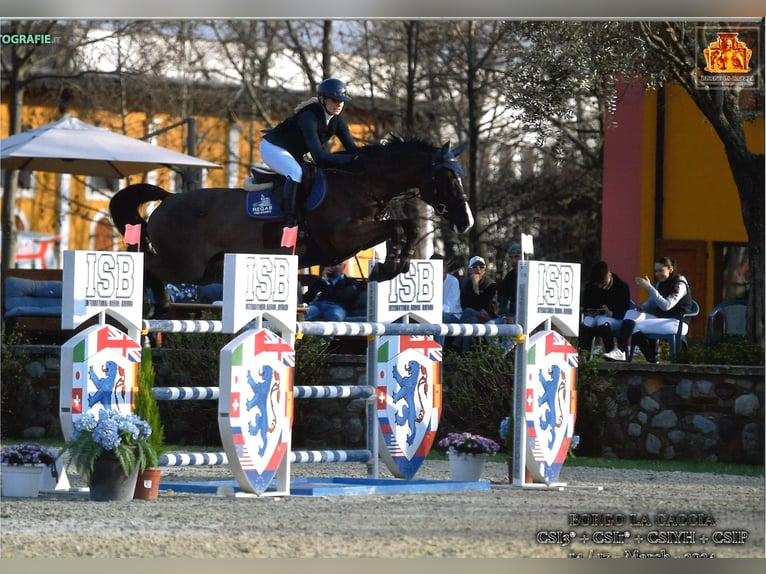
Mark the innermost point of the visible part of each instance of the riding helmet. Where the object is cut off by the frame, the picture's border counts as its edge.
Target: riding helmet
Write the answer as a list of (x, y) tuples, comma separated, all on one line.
[(335, 89)]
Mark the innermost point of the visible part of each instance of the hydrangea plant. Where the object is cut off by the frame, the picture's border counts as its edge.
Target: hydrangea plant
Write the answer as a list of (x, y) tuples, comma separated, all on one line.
[(468, 443), (126, 436)]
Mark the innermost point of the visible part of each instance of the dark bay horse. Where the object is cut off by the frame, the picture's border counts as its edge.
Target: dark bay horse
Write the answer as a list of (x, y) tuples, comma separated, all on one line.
[(186, 236)]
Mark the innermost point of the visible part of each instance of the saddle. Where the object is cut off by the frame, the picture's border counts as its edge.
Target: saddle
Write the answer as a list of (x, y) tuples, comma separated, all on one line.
[(263, 197)]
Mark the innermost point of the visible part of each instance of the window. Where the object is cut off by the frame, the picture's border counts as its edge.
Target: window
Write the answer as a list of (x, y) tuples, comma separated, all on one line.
[(25, 183), (101, 188), (732, 271)]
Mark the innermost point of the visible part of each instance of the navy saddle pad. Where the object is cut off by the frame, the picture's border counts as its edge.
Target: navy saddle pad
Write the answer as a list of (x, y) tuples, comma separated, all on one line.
[(260, 204)]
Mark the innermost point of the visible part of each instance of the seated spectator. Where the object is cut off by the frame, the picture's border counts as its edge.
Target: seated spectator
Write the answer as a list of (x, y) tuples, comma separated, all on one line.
[(605, 300), (506, 293), (477, 297), (330, 297), (669, 299), (451, 309)]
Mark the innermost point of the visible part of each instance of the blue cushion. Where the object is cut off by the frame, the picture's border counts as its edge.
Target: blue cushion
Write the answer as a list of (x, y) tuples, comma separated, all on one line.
[(31, 297)]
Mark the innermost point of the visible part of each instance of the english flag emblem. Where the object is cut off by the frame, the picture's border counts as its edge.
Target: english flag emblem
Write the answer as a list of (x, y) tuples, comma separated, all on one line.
[(551, 403), (256, 406), (409, 400), (99, 370)]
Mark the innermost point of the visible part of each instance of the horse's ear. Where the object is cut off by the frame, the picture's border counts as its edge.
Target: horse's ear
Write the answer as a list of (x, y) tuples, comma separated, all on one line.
[(458, 149), (445, 150)]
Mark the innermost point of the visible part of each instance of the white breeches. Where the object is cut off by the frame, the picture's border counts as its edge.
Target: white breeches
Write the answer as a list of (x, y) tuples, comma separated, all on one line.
[(650, 325), (280, 160)]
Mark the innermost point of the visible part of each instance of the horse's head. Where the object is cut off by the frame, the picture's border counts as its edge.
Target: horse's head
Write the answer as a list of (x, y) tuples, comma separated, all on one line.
[(445, 192)]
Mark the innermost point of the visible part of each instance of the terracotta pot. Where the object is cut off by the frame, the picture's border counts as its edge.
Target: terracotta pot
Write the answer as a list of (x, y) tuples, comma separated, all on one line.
[(148, 485)]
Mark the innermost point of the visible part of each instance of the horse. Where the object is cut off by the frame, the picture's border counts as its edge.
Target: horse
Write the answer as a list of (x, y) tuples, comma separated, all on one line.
[(186, 236)]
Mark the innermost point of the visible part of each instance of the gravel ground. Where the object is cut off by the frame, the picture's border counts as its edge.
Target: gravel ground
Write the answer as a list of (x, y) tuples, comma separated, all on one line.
[(726, 514)]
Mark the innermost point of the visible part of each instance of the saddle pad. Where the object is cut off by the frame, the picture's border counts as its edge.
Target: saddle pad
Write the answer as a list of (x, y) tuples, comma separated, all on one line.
[(259, 204)]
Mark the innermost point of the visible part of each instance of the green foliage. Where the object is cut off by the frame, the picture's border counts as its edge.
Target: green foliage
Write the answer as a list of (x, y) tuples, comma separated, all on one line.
[(311, 365), (145, 405), (726, 350), (111, 433), (477, 390), (18, 393), (594, 397)]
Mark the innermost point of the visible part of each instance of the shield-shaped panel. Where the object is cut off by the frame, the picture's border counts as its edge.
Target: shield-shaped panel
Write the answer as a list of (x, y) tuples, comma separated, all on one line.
[(99, 370), (551, 403), (255, 406), (409, 400)]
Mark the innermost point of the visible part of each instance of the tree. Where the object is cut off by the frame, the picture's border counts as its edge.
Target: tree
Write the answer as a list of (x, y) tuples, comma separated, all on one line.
[(24, 65), (567, 61)]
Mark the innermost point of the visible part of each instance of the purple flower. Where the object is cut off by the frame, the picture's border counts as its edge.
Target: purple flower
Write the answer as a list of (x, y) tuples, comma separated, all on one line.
[(468, 443), (29, 453)]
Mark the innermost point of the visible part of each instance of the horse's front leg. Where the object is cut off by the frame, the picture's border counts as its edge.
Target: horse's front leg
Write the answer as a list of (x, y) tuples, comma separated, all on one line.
[(400, 250), (398, 235)]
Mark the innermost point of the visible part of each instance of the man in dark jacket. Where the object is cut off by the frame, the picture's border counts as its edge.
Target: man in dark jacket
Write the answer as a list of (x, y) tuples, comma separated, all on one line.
[(605, 300), (330, 297), (478, 298)]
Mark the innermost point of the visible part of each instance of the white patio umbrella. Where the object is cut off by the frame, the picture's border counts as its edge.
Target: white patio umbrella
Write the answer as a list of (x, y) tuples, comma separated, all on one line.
[(72, 146)]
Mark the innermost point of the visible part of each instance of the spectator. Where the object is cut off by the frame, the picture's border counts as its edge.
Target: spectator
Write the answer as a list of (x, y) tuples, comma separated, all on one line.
[(669, 298), (506, 293), (451, 309), (605, 300), (330, 297), (478, 297)]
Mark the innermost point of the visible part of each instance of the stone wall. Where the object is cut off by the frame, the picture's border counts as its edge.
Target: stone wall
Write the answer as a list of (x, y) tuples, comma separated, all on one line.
[(639, 411), (680, 412)]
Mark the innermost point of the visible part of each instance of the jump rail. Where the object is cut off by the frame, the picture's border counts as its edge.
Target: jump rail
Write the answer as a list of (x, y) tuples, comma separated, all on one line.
[(350, 329)]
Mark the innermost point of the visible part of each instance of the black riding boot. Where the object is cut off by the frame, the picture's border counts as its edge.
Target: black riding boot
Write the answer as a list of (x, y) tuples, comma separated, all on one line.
[(586, 338), (648, 346), (289, 192), (626, 329), (605, 332)]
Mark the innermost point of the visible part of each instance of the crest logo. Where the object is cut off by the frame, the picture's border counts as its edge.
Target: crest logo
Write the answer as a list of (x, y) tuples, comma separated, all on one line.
[(409, 399), (728, 58), (551, 403), (727, 55), (99, 370), (256, 405)]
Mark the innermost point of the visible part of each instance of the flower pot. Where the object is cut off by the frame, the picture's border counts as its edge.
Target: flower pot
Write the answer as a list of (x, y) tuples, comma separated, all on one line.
[(108, 480), (148, 485), (22, 480), (466, 467)]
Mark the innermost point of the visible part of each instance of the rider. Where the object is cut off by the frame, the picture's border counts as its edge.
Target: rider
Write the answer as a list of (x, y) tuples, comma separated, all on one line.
[(314, 122)]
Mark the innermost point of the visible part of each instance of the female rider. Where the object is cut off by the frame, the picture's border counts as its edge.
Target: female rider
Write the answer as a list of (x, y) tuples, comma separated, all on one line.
[(314, 122)]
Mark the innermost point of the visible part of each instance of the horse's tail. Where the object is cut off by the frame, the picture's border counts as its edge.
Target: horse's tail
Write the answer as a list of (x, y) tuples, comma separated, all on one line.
[(124, 205)]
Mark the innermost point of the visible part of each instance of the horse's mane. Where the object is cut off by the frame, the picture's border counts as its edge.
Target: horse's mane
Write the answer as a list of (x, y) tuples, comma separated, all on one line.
[(395, 142), (398, 150)]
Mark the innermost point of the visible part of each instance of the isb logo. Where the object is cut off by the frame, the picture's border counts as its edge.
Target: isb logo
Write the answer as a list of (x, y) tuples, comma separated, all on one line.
[(555, 285), (110, 275), (268, 279), (415, 286)]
